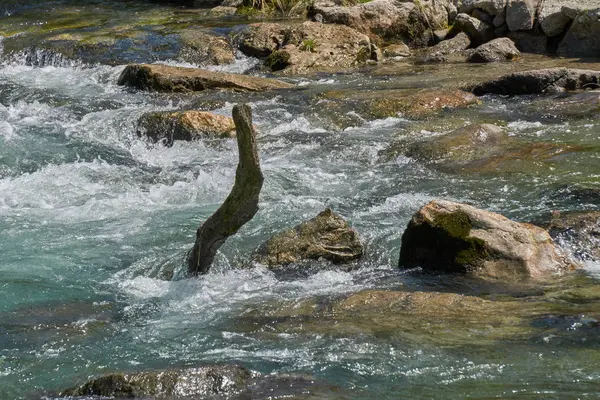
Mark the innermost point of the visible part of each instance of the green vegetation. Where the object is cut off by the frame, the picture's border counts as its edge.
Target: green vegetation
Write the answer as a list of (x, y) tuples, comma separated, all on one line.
[(308, 45), (285, 7)]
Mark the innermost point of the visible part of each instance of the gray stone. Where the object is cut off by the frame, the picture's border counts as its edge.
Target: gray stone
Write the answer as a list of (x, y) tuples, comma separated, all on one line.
[(583, 37), (479, 31), (446, 50), (520, 14), (501, 49), (530, 42), (551, 17), (457, 238), (482, 16), (493, 7), (499, 20), (549, 80), (397, 50)]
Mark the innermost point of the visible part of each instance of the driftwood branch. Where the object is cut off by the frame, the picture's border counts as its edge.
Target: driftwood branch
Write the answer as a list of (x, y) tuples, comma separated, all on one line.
[(241, 204)]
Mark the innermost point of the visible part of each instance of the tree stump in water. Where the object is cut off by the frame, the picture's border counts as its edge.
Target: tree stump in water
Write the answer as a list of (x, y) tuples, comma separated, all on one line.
[(241, 204)]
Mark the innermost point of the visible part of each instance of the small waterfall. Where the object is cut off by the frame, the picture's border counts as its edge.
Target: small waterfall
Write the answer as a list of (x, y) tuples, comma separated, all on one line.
[(36, 57)]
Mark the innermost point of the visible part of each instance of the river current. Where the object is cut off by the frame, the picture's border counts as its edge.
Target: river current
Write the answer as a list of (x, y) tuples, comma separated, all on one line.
[(90, 213)]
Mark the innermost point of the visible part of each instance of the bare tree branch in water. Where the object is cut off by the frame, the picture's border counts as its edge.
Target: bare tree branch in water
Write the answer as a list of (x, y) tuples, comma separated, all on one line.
[(242, 203)]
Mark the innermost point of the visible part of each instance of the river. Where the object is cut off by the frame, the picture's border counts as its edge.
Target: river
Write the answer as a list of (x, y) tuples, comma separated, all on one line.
[(90, 213)]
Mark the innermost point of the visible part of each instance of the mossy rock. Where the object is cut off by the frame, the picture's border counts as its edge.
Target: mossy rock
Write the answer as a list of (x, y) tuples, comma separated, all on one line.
[(452, 237)]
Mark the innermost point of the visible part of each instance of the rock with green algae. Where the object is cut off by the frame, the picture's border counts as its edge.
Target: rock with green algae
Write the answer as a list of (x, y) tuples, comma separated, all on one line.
[(163, 78), (482, 149), (327, 236), (439, 318), (451, 237), (168, 126), (305, 48), (202, 381), (567, 105), (198, 47), (386, 103)]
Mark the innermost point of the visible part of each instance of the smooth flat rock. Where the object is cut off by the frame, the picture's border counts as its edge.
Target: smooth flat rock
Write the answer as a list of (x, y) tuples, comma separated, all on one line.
[(549, 80), (163, 78)]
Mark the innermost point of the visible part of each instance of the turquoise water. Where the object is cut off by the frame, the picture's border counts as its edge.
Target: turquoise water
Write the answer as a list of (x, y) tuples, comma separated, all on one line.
[(90, 214)]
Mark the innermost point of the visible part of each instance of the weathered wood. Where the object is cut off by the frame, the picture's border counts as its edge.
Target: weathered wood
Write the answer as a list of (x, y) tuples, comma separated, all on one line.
[(241, 204)]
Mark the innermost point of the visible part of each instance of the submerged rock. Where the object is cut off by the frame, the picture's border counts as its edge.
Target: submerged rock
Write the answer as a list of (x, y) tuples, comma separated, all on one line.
[(203, 381), (540, 81), (326, 236), (306, 47), (452, 237), (569, 105), (383, 104), (163, 78), (577, 231), (447, 50), (169, 126), (501, 49)]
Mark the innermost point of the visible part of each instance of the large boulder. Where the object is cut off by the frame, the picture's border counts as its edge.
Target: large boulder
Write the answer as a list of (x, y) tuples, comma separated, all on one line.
[(529, 42), (480, 32), (168, 126), (549, 80), (204, 381), (577, 231), (164, 78), (520, 14), (501, 49), (553, 20), (450, 237), (412, 21), (326, 236), (306, 47), (581, 40), (445, 51)]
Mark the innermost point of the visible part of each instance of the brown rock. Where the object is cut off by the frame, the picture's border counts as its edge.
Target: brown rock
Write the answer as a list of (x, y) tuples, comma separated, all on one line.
[(452, 237), (202, 48), (163, 78), (326, 236), (447, 50), (185, 125), (306, 47), (577, 231), (501, 49)]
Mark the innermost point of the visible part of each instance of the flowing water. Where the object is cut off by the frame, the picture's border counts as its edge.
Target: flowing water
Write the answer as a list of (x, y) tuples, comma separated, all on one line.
[(90, 213)]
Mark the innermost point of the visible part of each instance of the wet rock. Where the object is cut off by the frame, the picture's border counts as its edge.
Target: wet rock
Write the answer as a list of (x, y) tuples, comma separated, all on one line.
[(448, 50), (501, 49), (163, 78), (581, 39), (202, 48), (306, 47), (540, 81), (389, 19), (397, 50), (418, 317), (327, 236), (520, 14), (459, 148), (530, 42), (577, 231), (417, 104), (184, 125), (451, 237), (202, 381), (570, 105), (479, 31)]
